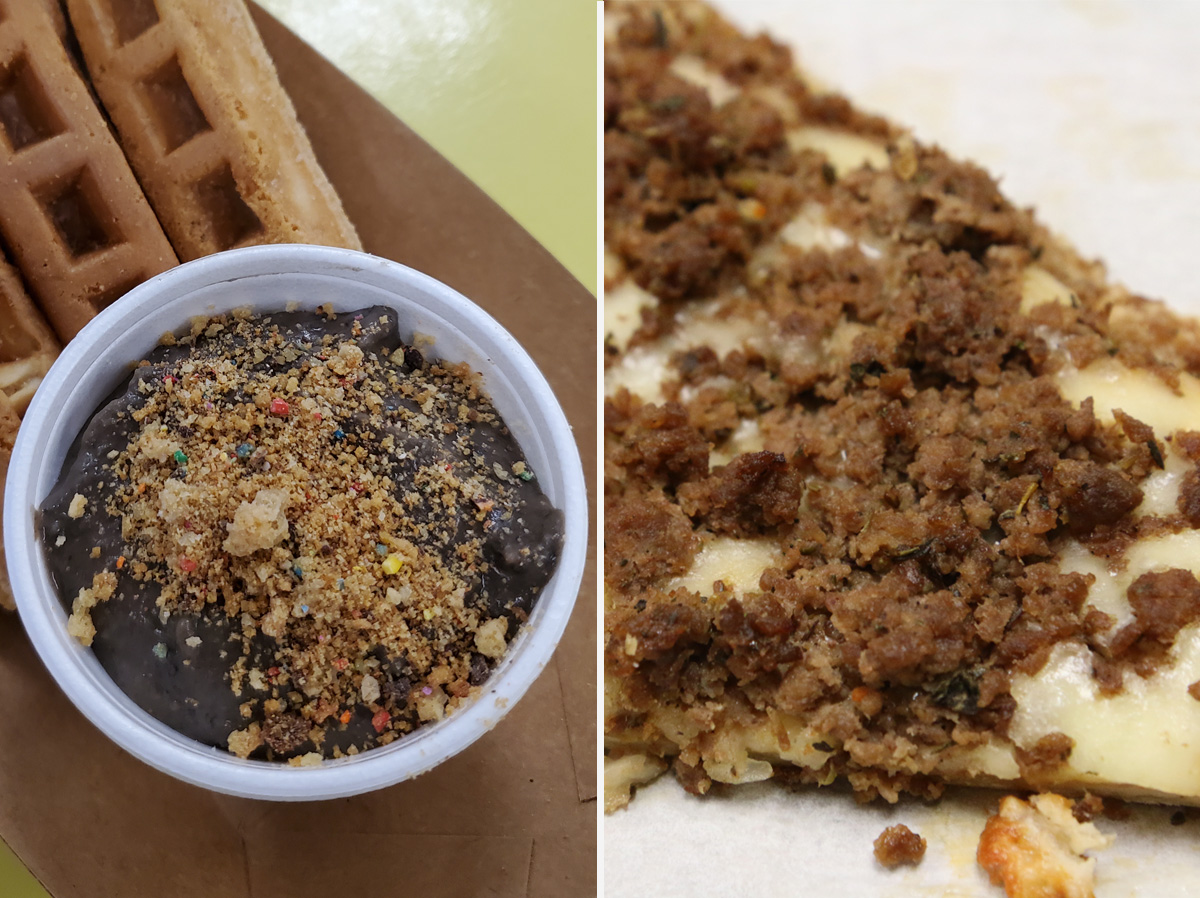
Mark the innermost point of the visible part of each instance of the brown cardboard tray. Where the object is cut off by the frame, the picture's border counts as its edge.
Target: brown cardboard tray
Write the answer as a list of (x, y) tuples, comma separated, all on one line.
[(515, 814)]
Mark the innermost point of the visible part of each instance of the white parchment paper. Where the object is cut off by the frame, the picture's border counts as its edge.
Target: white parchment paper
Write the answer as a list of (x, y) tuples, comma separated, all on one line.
[(1090, 111)]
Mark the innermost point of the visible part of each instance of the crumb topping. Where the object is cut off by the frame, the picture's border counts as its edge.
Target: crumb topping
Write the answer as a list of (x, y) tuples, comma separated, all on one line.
[(335, 505)]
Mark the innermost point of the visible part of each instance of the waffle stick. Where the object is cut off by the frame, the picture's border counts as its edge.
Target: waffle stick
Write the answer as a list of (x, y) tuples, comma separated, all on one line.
[(207, 126), (27, 345), (78, 225), (9, 422)]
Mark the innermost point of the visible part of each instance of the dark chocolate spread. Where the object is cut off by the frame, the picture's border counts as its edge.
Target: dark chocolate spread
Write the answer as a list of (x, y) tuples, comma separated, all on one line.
[(296, 537)]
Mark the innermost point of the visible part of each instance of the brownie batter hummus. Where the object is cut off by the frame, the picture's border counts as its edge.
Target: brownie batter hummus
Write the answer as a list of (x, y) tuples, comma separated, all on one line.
[(296, 537)]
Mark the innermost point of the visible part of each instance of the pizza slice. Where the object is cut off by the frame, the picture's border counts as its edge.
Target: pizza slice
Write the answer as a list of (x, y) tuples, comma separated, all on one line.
[(898, 488)]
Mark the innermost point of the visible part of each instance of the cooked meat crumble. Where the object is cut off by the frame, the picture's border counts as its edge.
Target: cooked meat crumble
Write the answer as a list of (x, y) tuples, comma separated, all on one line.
[(854, 372)]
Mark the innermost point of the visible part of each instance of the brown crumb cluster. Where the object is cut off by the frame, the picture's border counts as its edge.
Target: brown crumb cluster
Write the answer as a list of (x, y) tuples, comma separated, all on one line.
[(915, 468), (283, 484), (899, 846)]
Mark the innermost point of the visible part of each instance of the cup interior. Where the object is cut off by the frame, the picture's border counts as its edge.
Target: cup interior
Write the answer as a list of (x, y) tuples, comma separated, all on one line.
[(266, 279)]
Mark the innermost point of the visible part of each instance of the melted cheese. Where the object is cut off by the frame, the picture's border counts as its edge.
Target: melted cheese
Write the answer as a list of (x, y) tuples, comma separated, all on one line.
[(693, 70), (614, 268), (1147, 736), (746, 438), (839, 344), (622, 774), (845, 152), (643, 369), (738, 563), (1107, 593), (623, 312), (810, 229), (1038, 287), (1036, 850), (775, 97), (1135, 391), (1160, 490)]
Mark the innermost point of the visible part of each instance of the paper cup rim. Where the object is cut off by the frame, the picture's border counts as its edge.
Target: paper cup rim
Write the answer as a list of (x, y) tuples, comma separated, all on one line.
[(88, 686)]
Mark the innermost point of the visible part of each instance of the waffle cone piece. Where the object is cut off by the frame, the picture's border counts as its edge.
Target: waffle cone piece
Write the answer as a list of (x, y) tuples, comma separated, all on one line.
[(9, 422), (27, 345), (206, 124), (71, 212)]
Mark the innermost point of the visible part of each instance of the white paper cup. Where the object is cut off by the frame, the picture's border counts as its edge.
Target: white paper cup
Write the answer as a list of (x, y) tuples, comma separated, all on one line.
[(268, 278)]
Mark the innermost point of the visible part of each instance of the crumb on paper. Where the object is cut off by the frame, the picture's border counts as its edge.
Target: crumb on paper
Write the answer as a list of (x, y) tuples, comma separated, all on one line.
[(899, 846), (1036, 848), (77, 507)]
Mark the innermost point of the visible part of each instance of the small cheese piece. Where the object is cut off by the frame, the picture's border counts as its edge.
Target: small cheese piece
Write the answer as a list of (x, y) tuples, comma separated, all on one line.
[(747, 437), (736, 563), (1135, 391), (1108, 591), (623, 312), (1035, 849), (643, 369), (1160, 490), (622, 774), (810, 229), (845, 151), (1147, 735), (693, 70), (1038, 287)]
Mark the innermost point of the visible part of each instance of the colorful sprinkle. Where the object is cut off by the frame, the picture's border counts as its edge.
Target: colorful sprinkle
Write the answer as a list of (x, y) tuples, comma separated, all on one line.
[(427, 690), (280, 408), (345, 717), (526, 475), (339, 434), (298, 571), (392, 564), (180, 457), (245, 450), (380, 720), (380, 549), (304, 609), (187, 564), (120, 562), (273, 671), (341, 663), (160, 650)]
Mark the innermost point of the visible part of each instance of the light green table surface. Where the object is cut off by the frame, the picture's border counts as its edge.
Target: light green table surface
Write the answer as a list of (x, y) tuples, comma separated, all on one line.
[(505, 89)]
